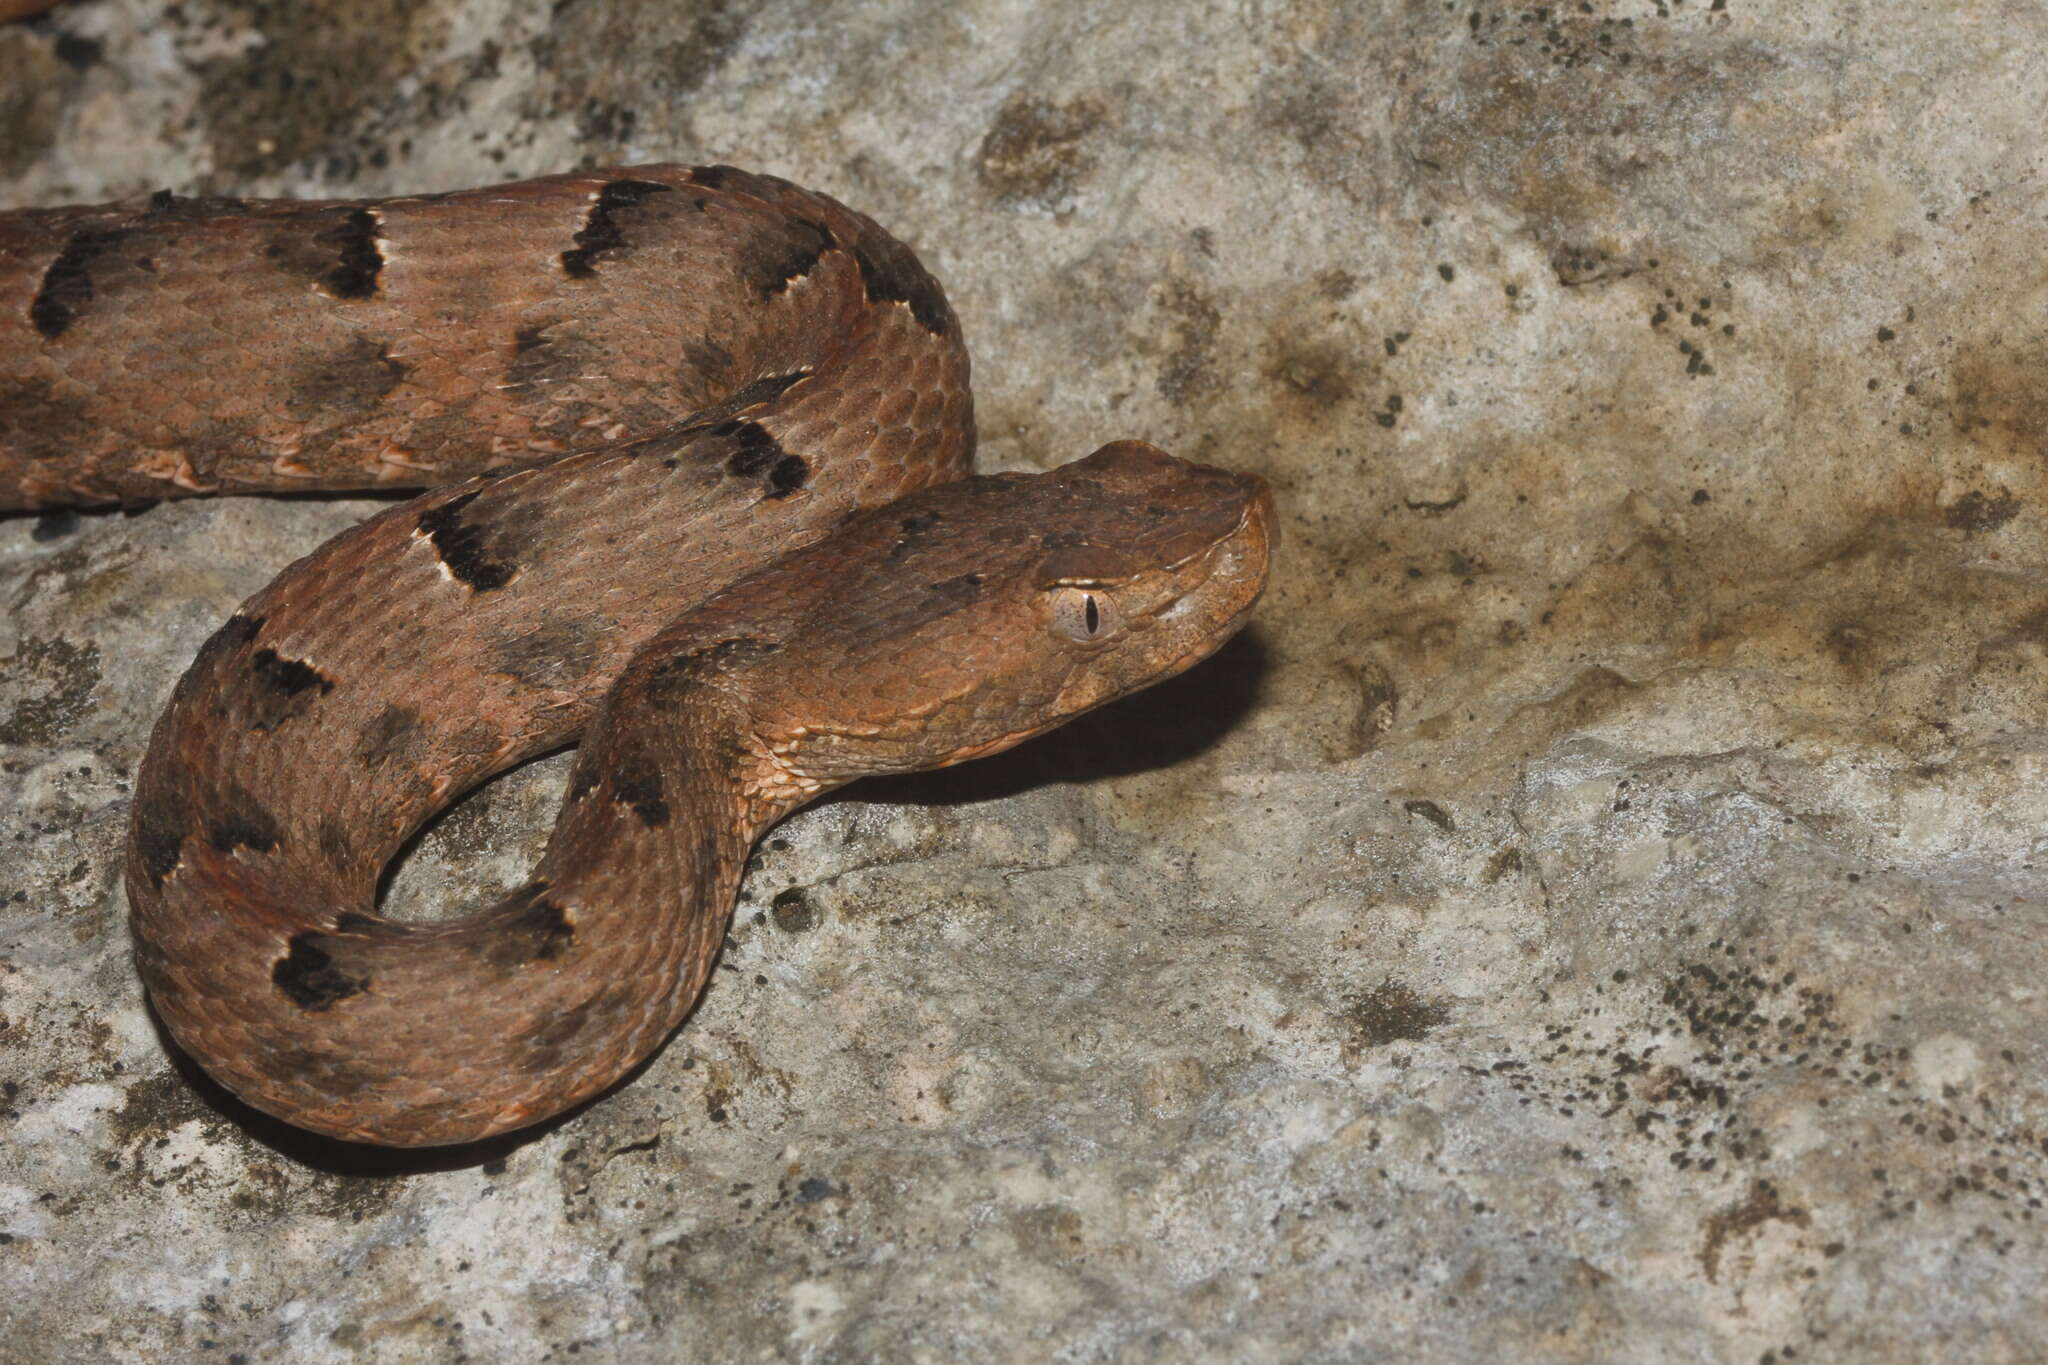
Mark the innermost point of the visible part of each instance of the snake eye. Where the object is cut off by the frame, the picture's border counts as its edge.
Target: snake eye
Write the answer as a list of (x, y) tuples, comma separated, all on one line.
[(1084, 615)]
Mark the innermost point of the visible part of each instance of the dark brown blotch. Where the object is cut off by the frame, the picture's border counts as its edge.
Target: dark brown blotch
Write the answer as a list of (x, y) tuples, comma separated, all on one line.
[(333, 1072), (335, 248), (733, 180), (43, 421), (389, 735), (546, 354), (281, 688), (755, 449), (702, 356), (760, 455), (360, 262), (160, 825), (310, 978), (66, 289), (546, 1038), (784, 252), (242, 822), (636, 781), (557, 651), (892, 275), (787, 476), (362, 375), (670, 679), (526, 341), (215, 669), (529, 927), (913, 528), (603, 234), (460, 545), (238, 631)]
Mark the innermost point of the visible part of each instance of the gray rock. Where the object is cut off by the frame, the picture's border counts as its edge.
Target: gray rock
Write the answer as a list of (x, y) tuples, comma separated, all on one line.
[(1594, 916)]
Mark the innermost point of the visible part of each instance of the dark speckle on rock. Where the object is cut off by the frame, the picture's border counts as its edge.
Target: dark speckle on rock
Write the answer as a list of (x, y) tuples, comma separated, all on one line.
[(77, 51), (793, 911), (1392, 1013)]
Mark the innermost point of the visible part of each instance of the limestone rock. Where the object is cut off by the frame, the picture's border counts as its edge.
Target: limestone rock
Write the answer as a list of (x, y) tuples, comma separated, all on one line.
[(1595, 915)]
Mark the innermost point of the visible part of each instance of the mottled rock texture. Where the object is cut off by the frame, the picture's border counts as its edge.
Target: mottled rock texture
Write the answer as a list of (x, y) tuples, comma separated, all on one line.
[(1597, 915)]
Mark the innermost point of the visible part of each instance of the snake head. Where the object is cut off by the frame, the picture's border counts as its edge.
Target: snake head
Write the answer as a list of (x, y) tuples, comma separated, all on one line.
[(972, 616)]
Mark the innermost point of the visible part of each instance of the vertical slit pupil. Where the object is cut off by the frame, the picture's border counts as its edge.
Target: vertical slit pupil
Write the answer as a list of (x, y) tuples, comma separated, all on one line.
[(1094, 617)]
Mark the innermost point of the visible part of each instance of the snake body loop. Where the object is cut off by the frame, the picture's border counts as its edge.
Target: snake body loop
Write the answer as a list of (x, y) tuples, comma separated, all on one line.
[(703, 438)]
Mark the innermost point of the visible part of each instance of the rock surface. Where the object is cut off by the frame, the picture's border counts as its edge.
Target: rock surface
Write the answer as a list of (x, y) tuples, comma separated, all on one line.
[(1594, 916)]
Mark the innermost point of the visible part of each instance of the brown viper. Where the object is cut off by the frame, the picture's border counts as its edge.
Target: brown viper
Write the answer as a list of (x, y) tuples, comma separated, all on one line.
[(743, 561)]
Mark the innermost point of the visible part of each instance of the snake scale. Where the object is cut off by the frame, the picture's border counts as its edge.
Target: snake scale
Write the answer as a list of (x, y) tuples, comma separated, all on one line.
[(698, 444)]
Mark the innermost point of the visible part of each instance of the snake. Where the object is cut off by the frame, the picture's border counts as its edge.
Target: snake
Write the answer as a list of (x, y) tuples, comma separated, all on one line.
[(697, 447)]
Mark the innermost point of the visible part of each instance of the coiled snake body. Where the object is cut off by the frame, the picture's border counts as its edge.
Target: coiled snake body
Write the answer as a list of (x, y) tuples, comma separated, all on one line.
[(742, 559)]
